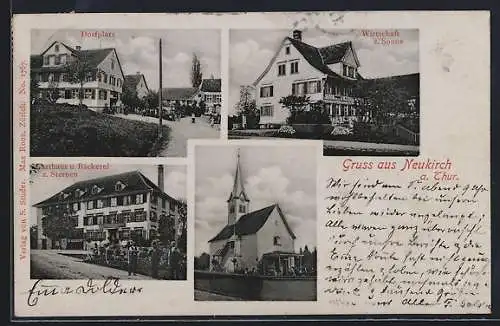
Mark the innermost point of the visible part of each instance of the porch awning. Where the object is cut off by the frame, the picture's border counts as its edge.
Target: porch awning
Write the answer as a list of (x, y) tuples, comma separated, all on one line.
[(275, 254)]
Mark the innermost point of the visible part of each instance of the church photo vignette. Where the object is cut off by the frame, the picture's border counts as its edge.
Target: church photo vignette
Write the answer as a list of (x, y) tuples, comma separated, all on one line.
[(255, 212)]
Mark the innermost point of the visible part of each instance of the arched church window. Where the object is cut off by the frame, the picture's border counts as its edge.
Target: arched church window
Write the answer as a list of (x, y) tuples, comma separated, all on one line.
[(242, 209), (231, 209)]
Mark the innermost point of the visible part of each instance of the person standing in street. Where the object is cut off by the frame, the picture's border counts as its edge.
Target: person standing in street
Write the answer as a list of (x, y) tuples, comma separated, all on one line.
[(132, 260), (155, 261)]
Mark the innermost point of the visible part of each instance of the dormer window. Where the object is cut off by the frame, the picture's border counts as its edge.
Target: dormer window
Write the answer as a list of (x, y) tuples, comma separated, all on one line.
[(119, 186), (95, 190), (276, 241)]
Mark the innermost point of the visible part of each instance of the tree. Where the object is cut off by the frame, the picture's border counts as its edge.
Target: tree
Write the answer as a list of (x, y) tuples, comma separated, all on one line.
[(79, 69), (151, 100), (57, 224), (34, 88), (196, 74), (383, 98), (303, 111), (166, 228), (52, 93), (247, 107), (202, 262), (33, 236), (129, 98), (182, 227)]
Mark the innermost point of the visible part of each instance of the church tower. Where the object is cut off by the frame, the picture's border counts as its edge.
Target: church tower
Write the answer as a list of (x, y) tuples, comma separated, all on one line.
[(238, 202)]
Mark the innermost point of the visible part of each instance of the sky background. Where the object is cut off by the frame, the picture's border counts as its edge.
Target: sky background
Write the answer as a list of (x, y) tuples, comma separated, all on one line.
[(272, 174), (138, 51), (252, 50), (42, 188)]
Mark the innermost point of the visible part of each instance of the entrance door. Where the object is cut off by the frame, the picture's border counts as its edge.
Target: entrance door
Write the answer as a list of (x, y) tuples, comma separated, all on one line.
[(112, 235), (44, 243)]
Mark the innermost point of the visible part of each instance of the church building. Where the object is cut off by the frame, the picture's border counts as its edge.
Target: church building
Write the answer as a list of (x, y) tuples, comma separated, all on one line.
[(260, 240)]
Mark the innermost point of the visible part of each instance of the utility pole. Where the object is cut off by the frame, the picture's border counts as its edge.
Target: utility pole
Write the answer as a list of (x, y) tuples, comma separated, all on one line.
[(159, 95)]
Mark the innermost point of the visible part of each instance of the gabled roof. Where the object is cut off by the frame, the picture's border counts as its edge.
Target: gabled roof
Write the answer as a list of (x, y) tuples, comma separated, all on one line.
[(134, 181), (178, 93), (131, 81), (319, 58), (211, 85), (336, 52), (93, 56), (251, 223)]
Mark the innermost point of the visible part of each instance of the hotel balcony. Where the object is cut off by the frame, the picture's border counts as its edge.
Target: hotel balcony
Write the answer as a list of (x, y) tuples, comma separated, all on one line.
[(113, 225)]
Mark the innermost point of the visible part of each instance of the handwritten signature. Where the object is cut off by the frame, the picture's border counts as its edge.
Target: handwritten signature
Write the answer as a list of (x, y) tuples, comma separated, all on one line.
[(110, 286)]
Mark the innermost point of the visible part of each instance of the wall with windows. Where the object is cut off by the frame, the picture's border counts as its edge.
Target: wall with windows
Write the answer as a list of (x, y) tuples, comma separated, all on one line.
[(102, 87), (56, 55), (266, 236), (289, 67)]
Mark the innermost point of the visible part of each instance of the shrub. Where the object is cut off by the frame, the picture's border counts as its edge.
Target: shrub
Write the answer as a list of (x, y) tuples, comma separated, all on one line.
[(286, 131), (65, 130), (313, 116)]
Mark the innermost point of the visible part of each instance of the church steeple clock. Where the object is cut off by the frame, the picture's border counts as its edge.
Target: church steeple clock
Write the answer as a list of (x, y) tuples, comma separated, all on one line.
[(238, 202)]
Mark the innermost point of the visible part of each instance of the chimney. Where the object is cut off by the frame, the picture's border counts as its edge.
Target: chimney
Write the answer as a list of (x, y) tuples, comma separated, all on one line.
[(160, 177), (297, 35)]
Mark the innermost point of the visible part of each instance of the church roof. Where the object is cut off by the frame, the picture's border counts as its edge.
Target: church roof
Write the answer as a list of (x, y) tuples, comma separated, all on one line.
[(251, 223)]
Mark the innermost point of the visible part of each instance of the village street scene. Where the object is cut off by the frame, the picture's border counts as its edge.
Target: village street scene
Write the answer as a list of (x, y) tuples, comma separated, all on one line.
[(255, 223), (99, 94), (356, 90), (115, 222)]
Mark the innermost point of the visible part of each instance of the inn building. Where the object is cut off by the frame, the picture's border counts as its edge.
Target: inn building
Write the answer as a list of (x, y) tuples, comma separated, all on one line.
[(328, 74), (252, 238), (125, 206), (103, 77)]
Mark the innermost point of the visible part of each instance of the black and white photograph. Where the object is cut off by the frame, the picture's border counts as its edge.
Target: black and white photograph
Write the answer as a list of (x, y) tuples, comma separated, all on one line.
[(356, 90), (123, 93), (255, 223), (100, 221)]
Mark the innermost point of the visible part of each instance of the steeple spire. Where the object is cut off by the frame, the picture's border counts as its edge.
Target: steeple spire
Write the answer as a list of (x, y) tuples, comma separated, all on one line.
[(238, 189), (238, 202)]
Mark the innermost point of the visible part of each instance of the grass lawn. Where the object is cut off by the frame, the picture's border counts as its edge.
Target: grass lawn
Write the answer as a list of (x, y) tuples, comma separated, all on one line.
[(66, 130)]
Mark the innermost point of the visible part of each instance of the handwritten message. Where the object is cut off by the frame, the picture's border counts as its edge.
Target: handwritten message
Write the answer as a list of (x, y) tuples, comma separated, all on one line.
[(415, 241), (110, 286)]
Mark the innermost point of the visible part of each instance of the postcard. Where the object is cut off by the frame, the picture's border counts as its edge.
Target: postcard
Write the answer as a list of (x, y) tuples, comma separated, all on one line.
[(246, 164)]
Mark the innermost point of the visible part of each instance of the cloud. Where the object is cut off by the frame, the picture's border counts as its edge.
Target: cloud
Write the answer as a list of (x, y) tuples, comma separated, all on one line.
[(247, 60), (138, 51), (175, 182)]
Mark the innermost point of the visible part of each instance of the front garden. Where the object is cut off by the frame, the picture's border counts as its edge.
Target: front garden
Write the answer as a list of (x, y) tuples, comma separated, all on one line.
[(70, 130)]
